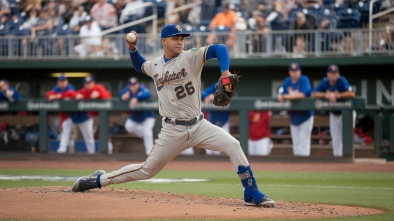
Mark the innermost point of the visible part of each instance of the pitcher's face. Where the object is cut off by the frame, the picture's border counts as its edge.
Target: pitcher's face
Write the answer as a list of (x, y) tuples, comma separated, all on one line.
[(173, 45)]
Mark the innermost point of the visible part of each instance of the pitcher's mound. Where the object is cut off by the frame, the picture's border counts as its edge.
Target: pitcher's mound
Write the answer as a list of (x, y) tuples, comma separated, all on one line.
[(51, 203)]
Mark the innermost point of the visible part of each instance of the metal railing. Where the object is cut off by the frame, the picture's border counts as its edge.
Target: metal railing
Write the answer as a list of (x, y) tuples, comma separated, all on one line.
[(313, 43)]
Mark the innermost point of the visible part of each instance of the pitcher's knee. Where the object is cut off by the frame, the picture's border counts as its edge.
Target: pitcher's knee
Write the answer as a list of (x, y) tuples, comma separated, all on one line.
[(231, 145)]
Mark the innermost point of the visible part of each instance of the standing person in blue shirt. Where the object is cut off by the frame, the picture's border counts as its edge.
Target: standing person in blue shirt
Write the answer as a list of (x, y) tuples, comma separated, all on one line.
[(140, 123), (295, 87), (335, 87), (7, 92)]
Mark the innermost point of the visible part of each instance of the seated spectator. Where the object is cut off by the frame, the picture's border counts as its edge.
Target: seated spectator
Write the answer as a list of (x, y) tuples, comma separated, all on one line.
[(7, 92), (326, 38), (258, 23), (66, 10), (288, 5), (109, 49), (278, 21), (77, 19), (223, 21), (131, 10), (207, 11), (311, 3), (105, 14), (32, 20), (90, 34), (29, 4), (4, 30), (300, 23), (52, 6), (4, 8), (44, 24), (172, 17), (387, 42)]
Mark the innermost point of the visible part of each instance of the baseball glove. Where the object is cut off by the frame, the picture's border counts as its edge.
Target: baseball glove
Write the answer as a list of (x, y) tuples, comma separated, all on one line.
[(222, 96)]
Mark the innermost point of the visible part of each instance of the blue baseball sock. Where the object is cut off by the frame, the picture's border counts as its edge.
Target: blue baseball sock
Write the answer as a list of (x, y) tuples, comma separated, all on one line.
[(98, 181), (251, 191)]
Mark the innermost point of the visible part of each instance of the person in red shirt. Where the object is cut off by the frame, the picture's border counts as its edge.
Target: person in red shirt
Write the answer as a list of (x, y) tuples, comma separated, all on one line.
[(62, 91), (94, 91), (259, 142), (91, 90)]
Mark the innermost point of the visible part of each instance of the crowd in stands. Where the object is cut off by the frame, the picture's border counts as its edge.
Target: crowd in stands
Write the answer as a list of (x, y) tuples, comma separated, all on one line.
[(68, 17)]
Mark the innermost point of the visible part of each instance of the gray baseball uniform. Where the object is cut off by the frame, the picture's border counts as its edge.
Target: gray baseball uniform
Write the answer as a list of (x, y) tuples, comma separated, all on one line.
[(178, 87)]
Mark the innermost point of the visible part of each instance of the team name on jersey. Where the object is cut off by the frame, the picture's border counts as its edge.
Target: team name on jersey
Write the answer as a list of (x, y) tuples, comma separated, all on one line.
[(168, 78)]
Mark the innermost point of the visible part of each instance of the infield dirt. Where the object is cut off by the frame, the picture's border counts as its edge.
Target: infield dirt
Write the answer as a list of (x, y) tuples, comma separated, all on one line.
[(49, 203)]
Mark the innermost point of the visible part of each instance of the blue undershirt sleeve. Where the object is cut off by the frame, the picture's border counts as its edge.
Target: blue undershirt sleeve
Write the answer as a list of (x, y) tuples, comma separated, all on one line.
[(220, 52), (137, 60)]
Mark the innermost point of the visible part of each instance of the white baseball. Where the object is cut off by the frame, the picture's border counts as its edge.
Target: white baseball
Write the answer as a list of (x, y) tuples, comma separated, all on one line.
[(131, 37)]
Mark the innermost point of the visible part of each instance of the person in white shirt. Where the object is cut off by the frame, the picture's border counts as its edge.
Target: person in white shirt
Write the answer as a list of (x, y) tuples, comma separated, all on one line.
[(131, 9), (90, 34), (78, 17)]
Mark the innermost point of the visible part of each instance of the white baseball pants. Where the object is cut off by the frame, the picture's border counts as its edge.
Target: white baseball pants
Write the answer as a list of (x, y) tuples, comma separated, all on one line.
[(261, 147), (142, 130), (301, 137), (86, 129), (190, 151), (336, 133), (172, 140)]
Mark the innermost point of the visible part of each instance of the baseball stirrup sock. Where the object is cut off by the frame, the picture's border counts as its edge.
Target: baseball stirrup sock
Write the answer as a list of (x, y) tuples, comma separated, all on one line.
[(98, 181), (251, 191)]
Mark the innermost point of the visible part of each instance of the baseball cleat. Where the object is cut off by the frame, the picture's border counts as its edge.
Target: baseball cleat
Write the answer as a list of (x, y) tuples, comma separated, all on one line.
[(265, 202), (87, 182)]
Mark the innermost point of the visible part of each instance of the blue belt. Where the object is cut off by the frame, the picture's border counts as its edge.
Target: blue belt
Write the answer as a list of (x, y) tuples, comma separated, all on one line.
[(185, 122)]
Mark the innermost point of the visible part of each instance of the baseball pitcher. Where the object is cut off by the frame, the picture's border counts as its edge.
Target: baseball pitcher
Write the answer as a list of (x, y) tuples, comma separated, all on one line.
[(177, 77)]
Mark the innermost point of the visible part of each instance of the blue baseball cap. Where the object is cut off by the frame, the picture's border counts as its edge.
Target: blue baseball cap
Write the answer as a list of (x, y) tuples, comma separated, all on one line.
[(88, 79), (294, 67), (333, 69), (133, 81), (62, 77), (172, 30)]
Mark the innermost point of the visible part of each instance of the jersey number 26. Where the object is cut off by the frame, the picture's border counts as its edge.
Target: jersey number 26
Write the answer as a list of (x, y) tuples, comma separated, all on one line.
[(182, 90)]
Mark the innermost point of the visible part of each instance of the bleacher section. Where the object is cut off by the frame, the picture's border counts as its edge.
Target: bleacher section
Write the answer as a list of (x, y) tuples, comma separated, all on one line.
[(349, 14)]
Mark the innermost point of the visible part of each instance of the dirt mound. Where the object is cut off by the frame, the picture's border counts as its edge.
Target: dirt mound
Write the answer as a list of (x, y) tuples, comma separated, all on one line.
[(50, 203)]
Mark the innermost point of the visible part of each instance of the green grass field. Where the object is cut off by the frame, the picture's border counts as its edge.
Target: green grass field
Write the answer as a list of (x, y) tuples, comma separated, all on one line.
[(374, 190)]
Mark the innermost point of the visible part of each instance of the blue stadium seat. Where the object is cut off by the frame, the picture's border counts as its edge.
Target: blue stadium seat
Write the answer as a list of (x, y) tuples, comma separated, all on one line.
[(64, 29), (58, 25), (278, 23), (328, 3), (363, 8), (14, 7), (337, 7), (16, 23), (140, 28), (161, 8), (5, 27), (349, 18), (20, 31)]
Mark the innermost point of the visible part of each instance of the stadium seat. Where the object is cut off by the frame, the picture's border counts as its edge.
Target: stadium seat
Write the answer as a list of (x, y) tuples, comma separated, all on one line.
[(14, 7), (328, 3), (64, 29), (19, 31), (161, 8), (5, 27), (363, 8), (348, 18)]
